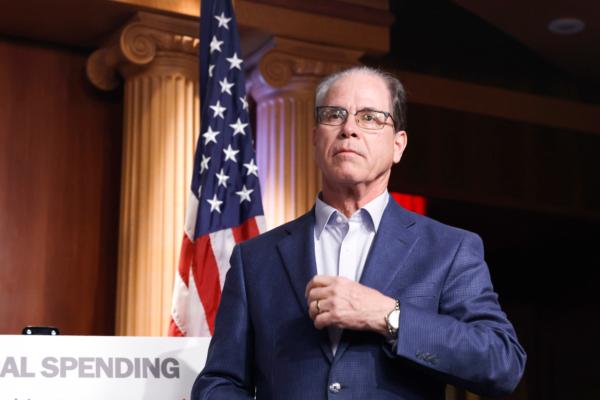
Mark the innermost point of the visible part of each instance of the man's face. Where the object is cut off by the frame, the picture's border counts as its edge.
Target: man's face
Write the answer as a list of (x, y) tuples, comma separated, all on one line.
[(349, 155)]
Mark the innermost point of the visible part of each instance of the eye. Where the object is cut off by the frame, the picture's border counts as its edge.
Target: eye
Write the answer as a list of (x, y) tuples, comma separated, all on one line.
[(368, 117), (334, 115)]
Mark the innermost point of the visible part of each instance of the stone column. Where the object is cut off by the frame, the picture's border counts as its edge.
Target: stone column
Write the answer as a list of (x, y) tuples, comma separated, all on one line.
[(157, 58), (284, 76)]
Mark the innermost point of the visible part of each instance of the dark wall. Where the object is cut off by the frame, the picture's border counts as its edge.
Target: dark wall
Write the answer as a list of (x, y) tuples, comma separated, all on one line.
[(464, 156), (59, 179)]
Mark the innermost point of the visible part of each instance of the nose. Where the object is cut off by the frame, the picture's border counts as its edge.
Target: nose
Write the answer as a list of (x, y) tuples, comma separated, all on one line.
[(349, 128)]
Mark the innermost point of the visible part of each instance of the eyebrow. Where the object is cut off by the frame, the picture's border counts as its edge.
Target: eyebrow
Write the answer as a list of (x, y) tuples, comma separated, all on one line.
[(368, 109), (358, 109)]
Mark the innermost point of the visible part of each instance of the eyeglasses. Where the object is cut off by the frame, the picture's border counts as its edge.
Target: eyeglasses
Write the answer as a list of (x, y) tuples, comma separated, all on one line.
[(366, 118)]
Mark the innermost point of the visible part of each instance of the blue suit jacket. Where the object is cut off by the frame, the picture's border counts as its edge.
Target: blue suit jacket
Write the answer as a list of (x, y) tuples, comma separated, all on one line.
[(452, 329)]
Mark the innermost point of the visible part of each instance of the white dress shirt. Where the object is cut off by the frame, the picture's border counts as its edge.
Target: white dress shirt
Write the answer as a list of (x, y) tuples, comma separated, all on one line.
[(342, 244)]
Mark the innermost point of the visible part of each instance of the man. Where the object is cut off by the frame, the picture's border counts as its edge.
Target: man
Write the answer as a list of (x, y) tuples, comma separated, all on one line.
[(359, 298)]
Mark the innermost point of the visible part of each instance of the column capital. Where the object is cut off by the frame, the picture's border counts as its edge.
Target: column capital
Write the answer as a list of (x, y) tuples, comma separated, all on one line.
[(285, 63), (138, 44)]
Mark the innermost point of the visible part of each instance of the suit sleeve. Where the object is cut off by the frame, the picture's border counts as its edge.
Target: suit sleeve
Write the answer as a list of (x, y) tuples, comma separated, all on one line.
[(227, 374), (469, 342)]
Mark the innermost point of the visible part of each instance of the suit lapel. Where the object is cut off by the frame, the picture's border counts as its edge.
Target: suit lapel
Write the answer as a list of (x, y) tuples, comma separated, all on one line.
[(297, 251), (391, 246)]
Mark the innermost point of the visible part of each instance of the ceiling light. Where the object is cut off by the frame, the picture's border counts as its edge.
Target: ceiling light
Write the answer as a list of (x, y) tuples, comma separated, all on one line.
[(566, 26)]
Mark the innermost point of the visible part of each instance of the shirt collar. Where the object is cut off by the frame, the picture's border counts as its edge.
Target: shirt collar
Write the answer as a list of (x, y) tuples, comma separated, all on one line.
[(374, 209), (323, 213)]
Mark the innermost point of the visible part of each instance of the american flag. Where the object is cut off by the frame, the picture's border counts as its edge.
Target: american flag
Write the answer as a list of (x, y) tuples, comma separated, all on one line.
[(224, 203)]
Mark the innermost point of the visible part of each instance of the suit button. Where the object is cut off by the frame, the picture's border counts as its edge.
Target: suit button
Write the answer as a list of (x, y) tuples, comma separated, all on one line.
[(335, 387)]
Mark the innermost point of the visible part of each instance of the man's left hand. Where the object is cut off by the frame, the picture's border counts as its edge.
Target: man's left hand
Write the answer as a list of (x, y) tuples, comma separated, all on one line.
[(344, 303)]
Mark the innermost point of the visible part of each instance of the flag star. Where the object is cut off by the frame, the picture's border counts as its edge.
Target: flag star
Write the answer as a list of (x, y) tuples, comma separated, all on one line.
[(215, 44), (230, 154), (244, 103), (215, 204), (210, 70), (204, 163), (226, 86), (252, 168), (223, 20), (244, 194), (222, 178), (218, 110), (235, 62), (238, 127), (210, 136)]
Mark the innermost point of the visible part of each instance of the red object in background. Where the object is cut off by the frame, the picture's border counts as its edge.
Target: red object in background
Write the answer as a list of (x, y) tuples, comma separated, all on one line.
[(411, 202)]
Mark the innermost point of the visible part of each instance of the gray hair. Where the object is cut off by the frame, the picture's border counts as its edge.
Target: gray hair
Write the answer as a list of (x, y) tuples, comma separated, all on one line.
[(397, 93)]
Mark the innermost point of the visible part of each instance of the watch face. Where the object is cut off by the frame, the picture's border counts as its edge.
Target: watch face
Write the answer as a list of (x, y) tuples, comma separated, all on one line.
[(394, 319)]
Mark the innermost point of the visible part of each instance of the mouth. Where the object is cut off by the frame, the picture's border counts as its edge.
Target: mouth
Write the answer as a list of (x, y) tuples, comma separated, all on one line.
[(345, 152)]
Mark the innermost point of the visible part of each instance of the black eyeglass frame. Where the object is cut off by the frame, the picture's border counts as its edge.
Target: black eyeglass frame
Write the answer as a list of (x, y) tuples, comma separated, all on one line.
[(346, 114)]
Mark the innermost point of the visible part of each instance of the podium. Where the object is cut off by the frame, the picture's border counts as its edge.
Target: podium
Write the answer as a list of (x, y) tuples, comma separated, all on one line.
[(99, 367)]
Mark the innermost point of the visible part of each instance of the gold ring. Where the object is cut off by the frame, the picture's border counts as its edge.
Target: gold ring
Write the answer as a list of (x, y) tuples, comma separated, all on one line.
[(318, 308)]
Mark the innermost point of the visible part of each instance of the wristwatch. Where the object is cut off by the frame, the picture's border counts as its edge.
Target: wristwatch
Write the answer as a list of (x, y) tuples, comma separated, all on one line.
[(392, 320)]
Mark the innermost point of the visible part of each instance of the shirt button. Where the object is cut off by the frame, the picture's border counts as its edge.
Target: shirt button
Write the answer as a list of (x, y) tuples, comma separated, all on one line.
[(335, 387)]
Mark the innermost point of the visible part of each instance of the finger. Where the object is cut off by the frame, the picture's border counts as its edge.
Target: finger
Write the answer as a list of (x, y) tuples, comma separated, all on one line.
[(319, 281), (324, 280), (316, 307), (313, 311), (323, 320), (318, 293), (320, 320)]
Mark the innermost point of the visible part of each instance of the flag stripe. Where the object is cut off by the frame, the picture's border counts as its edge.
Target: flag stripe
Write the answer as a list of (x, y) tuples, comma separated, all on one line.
[(186, 257), (174, 329), (195, 315), (177, 319), (191, 215), (206, 276), (247, 229), (187, 312), (222, 244)]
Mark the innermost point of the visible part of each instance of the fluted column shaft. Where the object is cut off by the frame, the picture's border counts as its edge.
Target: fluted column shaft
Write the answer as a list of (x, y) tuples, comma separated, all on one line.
[(285, 75), (288, 174), (157, 57)]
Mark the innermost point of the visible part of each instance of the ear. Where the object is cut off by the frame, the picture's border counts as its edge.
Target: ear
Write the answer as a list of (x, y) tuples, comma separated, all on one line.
[(400, 142), (314, 136)]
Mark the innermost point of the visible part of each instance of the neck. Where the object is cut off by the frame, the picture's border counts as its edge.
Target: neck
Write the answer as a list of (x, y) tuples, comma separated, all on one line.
[(349, 198)]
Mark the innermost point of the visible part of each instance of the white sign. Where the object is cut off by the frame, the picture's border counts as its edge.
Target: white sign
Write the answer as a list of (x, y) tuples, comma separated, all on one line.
[(99, 367)]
